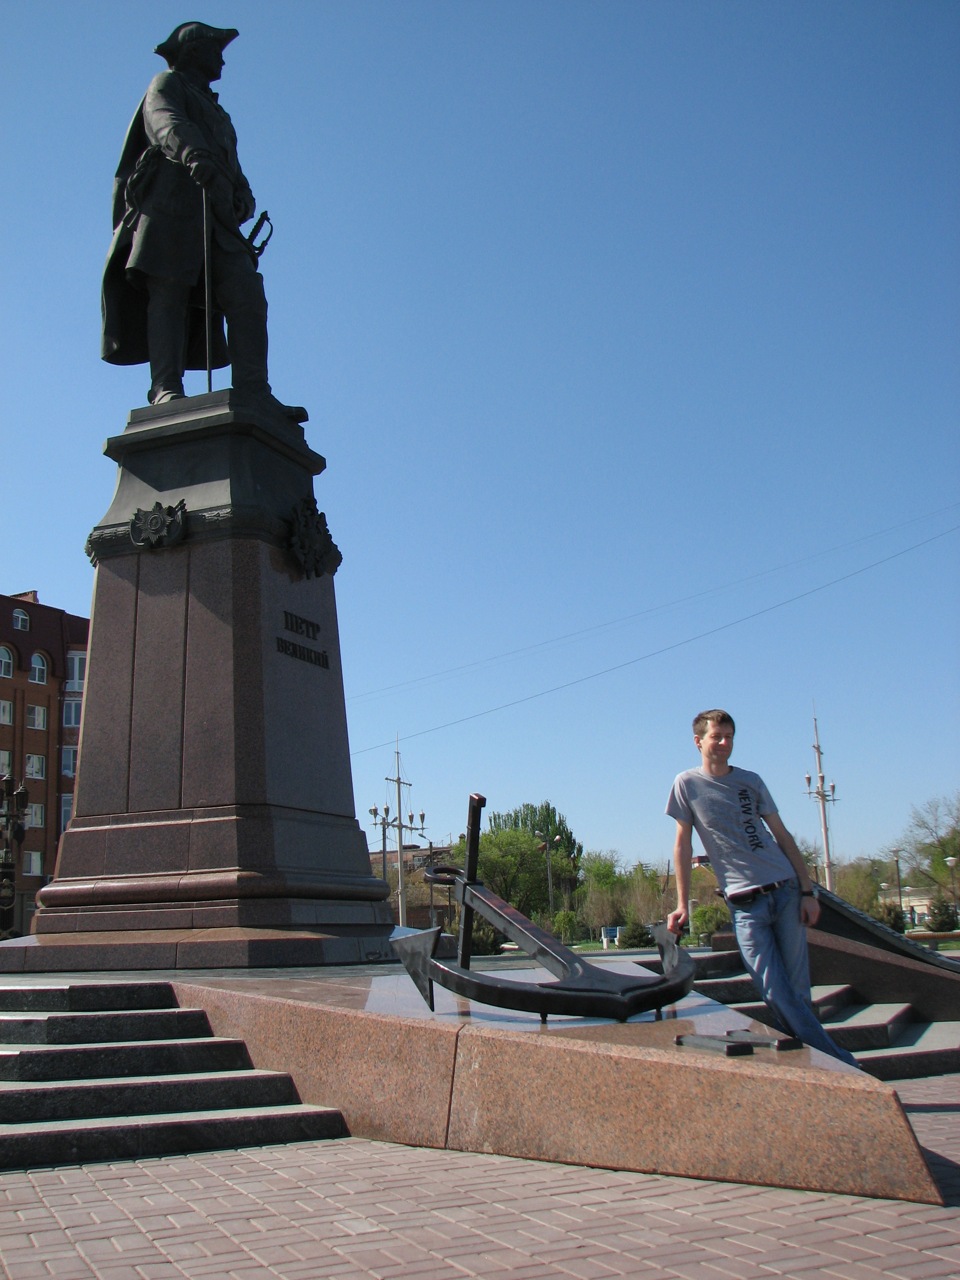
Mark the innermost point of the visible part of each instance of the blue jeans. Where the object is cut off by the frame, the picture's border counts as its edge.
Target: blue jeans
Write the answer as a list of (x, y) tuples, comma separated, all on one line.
[(773, 944)]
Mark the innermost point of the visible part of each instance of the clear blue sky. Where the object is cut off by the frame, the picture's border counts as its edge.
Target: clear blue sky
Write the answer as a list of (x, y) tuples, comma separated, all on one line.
[(629, 331)]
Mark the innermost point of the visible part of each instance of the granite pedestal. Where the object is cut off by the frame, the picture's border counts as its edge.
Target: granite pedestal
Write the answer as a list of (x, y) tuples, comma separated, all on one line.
[(214, 817), (576, 1090)]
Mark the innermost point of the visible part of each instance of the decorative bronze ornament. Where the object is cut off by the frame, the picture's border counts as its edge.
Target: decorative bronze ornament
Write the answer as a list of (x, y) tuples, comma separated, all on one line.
[(310, 542), (160, 526)]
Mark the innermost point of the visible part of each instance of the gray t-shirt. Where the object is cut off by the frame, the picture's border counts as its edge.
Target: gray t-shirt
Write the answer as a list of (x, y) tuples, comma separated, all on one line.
[(726, 814)]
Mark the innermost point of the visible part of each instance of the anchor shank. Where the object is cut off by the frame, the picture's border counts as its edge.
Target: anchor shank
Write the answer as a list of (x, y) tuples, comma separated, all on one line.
[(465, 940)]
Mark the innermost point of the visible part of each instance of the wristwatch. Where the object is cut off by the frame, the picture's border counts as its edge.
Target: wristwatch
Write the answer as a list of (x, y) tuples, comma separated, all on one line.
[(811, 893)]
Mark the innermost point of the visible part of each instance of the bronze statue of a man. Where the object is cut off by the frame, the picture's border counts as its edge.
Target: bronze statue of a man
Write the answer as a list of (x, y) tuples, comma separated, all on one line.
[(180, 151)]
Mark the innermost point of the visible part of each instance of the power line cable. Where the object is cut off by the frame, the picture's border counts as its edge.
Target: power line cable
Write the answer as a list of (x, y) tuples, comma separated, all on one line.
[(655, 653), (632, 617)]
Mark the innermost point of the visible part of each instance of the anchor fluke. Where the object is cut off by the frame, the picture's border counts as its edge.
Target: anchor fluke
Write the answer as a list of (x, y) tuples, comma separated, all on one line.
[(416, 951)]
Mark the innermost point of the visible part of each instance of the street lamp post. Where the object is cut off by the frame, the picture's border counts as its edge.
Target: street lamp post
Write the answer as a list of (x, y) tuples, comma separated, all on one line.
[(896, 863), (382, 823), (545, 848), (952, 864), (13, 809)]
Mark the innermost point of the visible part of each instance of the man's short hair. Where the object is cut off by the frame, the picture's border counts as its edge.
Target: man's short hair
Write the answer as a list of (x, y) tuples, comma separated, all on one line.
[(717, 715)]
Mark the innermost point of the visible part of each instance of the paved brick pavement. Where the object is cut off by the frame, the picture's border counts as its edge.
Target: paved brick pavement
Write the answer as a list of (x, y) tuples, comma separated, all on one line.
[(368, 1209)]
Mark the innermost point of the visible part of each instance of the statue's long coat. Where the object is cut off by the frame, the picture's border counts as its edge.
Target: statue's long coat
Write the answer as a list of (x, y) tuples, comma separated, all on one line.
[(158, 216)]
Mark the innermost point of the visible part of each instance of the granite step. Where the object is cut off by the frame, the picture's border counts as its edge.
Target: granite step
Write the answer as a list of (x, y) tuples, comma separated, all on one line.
[(129, 1073), (888, 1041), (49, 1027), (833, 1001), (70, 1141), (853, 1026), (89, 997), (869, 1026), (730, 988), (93, 1061), (739, 989), (922, 1049), (23, 1102), (717, 964)]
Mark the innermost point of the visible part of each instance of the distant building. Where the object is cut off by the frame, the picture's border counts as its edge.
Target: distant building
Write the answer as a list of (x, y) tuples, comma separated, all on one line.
[(43, 663), (427, 905)]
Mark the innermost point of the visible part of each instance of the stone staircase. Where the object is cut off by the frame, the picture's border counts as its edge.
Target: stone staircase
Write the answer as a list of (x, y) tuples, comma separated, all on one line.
[(109, 1071), (891, 1039)]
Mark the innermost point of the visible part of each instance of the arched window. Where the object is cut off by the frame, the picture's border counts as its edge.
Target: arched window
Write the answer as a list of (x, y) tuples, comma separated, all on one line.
[(6, 662), (21, 620), (38, 669)]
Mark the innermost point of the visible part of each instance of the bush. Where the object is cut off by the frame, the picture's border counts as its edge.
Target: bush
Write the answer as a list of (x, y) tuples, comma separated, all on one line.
[(889, 913), (485, 940), (943, 915), (565, 926), (709, 917), (635, 935)]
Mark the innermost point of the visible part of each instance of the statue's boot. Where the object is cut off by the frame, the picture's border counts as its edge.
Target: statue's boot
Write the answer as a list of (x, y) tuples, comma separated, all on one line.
[(166, 337)]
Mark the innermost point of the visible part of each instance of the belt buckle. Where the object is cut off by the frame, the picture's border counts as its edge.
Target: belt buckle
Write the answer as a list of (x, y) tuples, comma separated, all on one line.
[(744, 899)]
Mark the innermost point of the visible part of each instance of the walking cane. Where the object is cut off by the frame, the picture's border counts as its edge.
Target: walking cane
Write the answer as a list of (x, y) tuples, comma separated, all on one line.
[(207, 289)]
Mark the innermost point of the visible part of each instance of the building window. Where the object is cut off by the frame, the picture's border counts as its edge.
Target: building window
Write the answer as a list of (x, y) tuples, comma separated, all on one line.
[(6, 763), (38, 669), (32, 862), (68, 761), (71, 713), (6, 662), (36, 767), (66, 811), (36, 717), (21, 620), (76, 672), (6, 711), (35, 815)]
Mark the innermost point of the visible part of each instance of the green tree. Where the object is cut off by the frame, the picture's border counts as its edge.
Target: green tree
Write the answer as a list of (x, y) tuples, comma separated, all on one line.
[(512, 864), (943, 916), (932, 835), (565, 926), (858, 882), (600, 899), (552, 830), (644, 897), (601, 870)]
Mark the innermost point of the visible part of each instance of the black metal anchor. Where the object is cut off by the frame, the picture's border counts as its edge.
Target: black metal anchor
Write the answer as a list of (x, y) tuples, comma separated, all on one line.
[(582, 989)]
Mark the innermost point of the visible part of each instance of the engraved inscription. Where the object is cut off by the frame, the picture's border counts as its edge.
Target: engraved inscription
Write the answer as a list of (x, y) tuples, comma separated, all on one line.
[(293, 649)]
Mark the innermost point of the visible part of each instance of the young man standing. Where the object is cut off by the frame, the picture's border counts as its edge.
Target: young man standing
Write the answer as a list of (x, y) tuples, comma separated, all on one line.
[(760, 871)]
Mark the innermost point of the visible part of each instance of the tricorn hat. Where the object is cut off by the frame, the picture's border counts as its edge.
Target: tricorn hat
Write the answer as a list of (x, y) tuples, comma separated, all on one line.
[(187, 32)]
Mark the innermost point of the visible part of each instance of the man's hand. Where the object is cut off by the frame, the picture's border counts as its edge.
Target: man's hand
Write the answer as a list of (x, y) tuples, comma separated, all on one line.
[(809, 911), (677, 919), (204, 170)]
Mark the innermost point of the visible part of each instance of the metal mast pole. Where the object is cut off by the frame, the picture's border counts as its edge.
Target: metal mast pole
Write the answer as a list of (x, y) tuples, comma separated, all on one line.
[(822, 798), (401, 884)]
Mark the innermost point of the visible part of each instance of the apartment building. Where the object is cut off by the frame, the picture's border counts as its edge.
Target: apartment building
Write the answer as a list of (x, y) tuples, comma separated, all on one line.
[(43, 659)]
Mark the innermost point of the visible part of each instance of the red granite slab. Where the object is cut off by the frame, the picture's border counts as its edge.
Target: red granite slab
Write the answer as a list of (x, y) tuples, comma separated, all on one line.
[(578, 1091)]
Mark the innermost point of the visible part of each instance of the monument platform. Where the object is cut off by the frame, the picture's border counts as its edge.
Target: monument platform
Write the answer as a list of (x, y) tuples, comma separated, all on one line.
[(214, 822), (579, 1091)]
